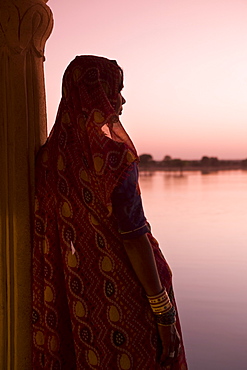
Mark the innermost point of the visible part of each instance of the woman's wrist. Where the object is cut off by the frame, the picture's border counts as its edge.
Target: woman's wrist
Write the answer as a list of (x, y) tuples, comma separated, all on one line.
[(164, 312)]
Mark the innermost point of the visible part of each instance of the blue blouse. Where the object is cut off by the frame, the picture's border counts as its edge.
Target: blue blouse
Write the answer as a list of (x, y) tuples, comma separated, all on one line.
[(127, 206)]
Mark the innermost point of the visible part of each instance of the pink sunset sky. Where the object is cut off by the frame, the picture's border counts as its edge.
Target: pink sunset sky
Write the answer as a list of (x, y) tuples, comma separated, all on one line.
[(185, 65)]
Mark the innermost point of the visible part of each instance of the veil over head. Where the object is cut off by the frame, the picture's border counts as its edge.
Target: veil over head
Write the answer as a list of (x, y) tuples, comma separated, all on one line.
[(87, 127)]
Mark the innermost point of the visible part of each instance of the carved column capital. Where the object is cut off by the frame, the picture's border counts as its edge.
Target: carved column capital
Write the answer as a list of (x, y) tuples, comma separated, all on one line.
[(25, 26)]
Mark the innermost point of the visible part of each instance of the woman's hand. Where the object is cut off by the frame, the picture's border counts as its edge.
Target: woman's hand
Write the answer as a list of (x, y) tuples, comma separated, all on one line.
[(170, 340)]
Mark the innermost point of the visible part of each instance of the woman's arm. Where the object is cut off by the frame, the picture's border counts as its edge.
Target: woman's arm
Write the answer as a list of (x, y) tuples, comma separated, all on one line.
[(127, 207), (141, 257)]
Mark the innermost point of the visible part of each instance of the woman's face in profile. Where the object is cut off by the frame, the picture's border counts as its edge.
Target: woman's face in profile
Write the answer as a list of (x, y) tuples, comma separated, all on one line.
[(119, 105)]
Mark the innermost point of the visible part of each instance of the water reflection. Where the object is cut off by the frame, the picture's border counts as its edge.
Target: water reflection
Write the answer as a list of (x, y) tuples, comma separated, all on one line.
[(173, 179), (200, 222), (146, 174), (146, 179)]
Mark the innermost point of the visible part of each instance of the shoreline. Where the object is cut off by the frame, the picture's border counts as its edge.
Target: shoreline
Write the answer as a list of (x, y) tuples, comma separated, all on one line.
[(189, 169)]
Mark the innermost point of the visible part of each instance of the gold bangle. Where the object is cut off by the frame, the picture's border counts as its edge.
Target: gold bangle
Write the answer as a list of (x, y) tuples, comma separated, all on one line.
[(157, 295), (162, 302), (162, 309), (158, 299)]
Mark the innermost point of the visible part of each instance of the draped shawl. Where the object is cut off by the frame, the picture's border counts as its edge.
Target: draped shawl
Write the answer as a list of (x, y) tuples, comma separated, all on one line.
[(89, 309)]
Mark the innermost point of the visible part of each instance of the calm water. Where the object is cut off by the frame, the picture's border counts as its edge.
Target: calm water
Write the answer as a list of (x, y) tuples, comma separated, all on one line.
[(201, 224)]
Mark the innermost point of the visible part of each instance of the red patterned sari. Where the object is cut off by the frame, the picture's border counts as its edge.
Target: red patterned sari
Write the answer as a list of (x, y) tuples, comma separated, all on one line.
[(89, 309)]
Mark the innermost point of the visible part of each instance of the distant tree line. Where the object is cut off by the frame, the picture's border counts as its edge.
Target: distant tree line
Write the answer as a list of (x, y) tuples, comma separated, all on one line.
[(205, 164)]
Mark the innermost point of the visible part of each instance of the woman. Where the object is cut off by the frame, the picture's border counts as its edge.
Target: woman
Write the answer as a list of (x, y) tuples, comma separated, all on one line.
[(100, 281)]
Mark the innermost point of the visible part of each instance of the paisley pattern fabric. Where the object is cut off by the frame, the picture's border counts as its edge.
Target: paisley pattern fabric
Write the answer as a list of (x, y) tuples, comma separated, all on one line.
[(89, 309)]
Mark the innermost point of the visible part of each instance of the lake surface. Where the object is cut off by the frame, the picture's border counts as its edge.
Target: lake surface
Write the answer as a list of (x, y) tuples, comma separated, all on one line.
[(201, 224)]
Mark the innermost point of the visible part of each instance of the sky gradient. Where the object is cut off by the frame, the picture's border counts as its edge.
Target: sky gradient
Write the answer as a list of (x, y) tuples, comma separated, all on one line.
[(185, 66)]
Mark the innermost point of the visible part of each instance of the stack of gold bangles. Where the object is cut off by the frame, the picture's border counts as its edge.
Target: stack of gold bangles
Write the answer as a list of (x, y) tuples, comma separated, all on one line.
[(165, 313)]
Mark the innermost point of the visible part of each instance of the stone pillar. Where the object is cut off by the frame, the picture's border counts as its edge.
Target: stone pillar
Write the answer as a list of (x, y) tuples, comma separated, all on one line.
[(25, 26)]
